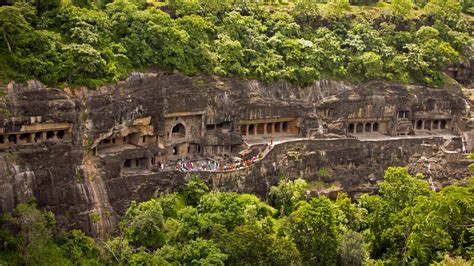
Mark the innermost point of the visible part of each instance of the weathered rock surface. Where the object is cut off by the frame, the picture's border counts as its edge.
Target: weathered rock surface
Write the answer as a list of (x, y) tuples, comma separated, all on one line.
[(86, 154)]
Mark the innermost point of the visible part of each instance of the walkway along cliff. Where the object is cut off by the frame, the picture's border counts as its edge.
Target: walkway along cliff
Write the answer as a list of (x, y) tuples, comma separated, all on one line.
[(86, 154)]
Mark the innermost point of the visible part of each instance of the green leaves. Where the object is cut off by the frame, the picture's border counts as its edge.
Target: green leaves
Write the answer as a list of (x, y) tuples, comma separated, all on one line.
[(251, 244), (143, 224), (229, 39), (287, 194), (405, 224), (194, 189), (410, 224), (314, 229)]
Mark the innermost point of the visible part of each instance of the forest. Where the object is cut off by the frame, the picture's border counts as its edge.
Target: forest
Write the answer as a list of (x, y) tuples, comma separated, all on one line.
[(407, 223), (91, 43)]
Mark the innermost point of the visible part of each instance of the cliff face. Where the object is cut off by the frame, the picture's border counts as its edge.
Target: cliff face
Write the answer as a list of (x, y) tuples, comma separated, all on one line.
[(86, 154)]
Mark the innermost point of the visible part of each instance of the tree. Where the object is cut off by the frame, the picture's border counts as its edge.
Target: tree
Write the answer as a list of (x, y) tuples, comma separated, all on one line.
[(399, 189), (33, 237), (172, 203), (401, 8), (314, 229), (352, 215), (221, 208), (352, 250), (194, 189), (193, 252), (368, 65), (338, 7), (306, 10), (79, 248), (444, 9), (143, 224), (12, 24), (251, 244), (202, 252), (83, 63), (287, 194), (408, 223), (229, 56)]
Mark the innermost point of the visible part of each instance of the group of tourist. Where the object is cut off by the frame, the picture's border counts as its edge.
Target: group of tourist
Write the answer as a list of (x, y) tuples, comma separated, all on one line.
[(184, 165), (212, 166)]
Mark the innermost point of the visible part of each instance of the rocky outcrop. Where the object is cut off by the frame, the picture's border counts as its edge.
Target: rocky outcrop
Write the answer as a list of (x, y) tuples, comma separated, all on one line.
[(86, 154)]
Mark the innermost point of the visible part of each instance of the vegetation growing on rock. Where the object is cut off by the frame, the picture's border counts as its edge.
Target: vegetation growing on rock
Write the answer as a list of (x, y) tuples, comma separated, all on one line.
[(96, 42), (406, 223)]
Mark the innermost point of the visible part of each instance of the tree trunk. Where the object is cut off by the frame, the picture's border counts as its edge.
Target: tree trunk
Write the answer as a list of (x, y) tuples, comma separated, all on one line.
[(6, 41)]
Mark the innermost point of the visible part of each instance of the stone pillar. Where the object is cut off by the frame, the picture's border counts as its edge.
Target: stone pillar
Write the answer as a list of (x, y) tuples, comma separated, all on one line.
[(281, 127), (255, 129), (363, 127), (273, 128), (431, 125), (422, 124), (247, 130), (32, 138), (265, 129)]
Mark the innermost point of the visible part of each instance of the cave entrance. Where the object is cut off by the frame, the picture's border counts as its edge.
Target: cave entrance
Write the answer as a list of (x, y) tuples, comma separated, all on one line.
[(419, 125), (368, 127), (61, 134), (25, 137), (178, 131), (351, 128), (443, 124), (38, 136), (270, 128), (251, 129), (49, 135), (284, 127), (277, 127), (12, 139), (375, 127)]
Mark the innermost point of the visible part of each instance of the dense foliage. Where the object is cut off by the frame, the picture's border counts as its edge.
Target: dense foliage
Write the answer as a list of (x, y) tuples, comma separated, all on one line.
[(406, 223), (83, 42)]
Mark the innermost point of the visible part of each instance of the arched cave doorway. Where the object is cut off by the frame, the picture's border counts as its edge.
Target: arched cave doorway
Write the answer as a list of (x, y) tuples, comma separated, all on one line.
[(368, 127), (351, 128), (419, 125), (178, 131), (375, 127)]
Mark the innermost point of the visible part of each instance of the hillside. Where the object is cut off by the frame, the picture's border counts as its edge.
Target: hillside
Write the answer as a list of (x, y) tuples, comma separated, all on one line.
[(231, 132), (74, 43)]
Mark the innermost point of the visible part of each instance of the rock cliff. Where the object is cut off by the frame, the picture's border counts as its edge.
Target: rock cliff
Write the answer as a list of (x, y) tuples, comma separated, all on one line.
[(86, 154)]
